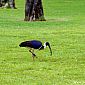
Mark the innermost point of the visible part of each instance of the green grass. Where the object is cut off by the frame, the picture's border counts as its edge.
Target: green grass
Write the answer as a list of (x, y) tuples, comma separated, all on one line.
[(64, 29)]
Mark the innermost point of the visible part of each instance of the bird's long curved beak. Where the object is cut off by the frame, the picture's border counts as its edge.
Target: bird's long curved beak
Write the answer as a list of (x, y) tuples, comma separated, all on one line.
[(50, 49)]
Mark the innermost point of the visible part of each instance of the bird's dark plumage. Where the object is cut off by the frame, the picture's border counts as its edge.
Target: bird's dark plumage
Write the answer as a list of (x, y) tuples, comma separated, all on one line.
[(32, 44), (35, 44)]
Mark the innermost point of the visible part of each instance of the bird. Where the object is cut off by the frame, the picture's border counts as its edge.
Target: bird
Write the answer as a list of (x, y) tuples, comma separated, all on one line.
[(35, 44)]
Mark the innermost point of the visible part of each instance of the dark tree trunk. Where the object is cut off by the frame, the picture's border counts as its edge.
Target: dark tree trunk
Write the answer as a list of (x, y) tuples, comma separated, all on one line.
[(12, 4), (0, 4), (34, 10), (8, 3)]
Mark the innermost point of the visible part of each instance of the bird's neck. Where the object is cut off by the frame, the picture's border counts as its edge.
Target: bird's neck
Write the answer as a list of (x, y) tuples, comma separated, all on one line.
[(44, 45)]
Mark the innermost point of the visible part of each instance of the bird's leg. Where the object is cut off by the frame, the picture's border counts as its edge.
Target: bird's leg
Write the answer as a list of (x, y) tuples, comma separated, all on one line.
[(33, 56), (32, 51)]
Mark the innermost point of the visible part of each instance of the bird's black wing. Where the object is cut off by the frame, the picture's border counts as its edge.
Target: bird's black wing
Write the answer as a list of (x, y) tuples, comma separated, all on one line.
[(36, 44), (32, 44)]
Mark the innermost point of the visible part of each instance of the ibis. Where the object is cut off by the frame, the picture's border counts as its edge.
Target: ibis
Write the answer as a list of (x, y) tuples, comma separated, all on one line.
[(35, 44)]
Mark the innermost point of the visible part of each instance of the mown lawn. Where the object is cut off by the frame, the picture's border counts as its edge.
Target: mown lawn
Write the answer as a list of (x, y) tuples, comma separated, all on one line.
[(64, 29)]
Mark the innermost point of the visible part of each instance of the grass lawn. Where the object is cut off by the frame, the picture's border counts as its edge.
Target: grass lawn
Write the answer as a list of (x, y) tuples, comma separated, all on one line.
[(64, 29)]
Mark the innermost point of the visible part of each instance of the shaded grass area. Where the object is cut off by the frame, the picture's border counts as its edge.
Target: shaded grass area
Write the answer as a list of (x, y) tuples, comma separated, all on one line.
[(64, 29)]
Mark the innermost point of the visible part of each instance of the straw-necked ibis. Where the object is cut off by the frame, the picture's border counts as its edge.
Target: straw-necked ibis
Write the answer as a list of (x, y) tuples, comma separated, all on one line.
[(35, 44)]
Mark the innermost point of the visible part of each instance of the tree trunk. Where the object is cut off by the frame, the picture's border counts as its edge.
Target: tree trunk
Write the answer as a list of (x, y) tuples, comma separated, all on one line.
[(34, 10), (0, 4), (12, 4), (8, 3)]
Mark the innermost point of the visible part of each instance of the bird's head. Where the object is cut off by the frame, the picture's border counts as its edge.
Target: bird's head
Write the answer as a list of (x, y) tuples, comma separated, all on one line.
[(47, 44)]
